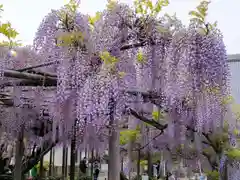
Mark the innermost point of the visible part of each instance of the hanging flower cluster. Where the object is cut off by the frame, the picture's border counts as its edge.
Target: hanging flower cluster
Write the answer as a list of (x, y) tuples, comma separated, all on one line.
[(97, 60)]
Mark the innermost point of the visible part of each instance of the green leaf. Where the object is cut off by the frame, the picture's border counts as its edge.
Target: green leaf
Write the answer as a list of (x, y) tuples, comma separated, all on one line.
[(203, 8), (70, 38), (140, 10), (149, 4), (159, 5), (198, 21), (7, 30), (128, 135), (107, 58), (121, 74), (196, 15), (72, 6), (155, 115), (162, 29), (1, 7), (94, 19), (141, 57), (200, 13), (227, 100), (212, 26), (146, 7), (111, 4), (143, 162), (202, 31), (236, 110), (233, 154), (213, 175)]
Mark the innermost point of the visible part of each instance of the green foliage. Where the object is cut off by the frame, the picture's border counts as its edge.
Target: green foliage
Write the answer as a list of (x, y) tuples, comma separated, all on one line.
[(1, 8), (111, 4), (199, 17), (213, 175), (8, 32), (84, 177), (121, 74), (93, 19), (72, 6), (227, 100), (129, 135), (141, 58), (157, 115), (233, 154), (200, 13), (236, 110), (67, 17), (110, 62), (209, 151), (108, 58), (220, 141), (146, 7), (45, 166), (143, 163), (70, 38)]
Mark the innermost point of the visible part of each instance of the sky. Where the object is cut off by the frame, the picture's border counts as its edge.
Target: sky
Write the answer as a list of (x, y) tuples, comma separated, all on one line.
[(25, 15)]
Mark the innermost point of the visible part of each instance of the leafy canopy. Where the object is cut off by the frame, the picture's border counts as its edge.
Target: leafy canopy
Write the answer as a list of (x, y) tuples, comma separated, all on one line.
[(8, 32), (129, 135)]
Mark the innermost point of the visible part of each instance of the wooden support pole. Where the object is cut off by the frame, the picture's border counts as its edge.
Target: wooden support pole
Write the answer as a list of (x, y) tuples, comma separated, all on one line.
[(19, 155), (73, 153), (63, 160), (50, 163), (114, 148)]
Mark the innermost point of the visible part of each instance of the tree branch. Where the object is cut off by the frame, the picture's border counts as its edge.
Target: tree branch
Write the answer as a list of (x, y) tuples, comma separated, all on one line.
[(38, 66), (206, 135), (150, 141), (30, 76), (27, 83), (123, 48), (212, 164), (150, 96), (151, 122)]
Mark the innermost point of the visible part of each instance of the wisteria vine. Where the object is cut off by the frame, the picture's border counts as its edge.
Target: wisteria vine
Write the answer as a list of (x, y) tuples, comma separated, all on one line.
[(119, 56)]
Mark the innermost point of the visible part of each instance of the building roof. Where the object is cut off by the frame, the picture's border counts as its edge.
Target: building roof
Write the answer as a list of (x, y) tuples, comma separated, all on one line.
[(234, 58)]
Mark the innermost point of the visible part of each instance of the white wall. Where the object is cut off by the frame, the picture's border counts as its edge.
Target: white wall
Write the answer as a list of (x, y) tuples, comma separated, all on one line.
[(235, 80), (58, 156)]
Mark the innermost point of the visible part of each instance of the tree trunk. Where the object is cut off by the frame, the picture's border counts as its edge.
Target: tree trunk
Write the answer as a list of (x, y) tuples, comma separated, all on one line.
[(64, 161), (41, 169), (130, 158), (50, 162), (92, 157), (66, 164), (138, 164), (73, 153), (19, 152), (149, 159), (79, 165), (53, 161), (114, 149), (114, 162)]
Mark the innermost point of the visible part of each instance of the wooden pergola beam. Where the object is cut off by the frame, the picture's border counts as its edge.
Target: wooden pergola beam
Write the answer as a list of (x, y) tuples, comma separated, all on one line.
[(30, 77)]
